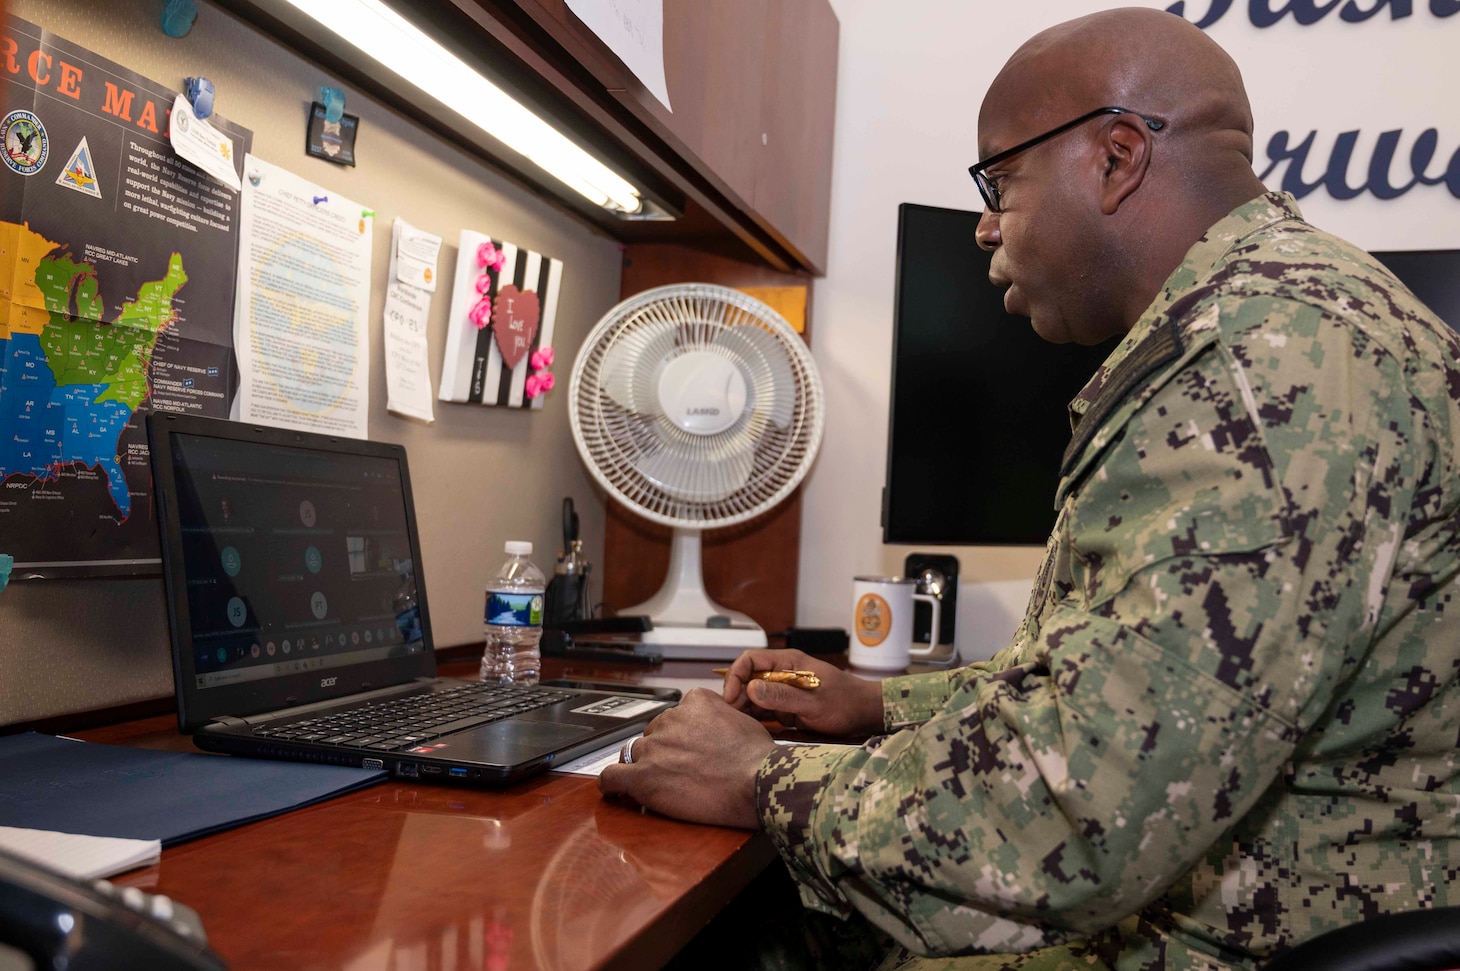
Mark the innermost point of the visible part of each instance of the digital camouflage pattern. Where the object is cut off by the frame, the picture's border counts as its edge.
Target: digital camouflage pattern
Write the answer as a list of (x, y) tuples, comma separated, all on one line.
[(1230, 718)]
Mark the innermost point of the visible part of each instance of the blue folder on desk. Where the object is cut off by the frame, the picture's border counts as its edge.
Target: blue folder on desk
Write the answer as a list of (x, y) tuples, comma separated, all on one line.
[(68, 786)]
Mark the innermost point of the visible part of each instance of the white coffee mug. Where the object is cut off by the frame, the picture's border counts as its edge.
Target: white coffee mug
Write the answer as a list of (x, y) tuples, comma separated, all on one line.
[(882, 623)]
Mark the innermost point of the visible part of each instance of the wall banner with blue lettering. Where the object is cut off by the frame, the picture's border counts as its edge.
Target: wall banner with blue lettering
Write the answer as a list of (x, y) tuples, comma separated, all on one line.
[(1353, 102)]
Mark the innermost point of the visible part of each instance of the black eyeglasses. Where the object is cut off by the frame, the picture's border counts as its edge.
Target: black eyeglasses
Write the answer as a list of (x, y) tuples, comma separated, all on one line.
[(989, 188)]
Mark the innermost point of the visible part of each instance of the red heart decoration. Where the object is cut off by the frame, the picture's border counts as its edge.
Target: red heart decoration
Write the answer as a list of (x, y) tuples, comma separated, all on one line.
[(514, 323)]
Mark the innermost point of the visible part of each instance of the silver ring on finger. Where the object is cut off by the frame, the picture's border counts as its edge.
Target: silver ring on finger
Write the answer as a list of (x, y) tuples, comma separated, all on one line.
[(626, 754)]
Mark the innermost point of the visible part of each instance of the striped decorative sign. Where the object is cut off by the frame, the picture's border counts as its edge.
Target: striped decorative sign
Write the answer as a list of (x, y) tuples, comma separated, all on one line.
[(474, 371)]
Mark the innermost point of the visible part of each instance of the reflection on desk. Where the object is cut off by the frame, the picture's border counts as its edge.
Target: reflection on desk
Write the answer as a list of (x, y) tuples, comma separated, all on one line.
[(546, 874)]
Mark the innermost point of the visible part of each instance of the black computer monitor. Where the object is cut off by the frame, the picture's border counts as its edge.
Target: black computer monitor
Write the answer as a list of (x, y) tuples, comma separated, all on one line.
[(1433, 275), (978, 421)]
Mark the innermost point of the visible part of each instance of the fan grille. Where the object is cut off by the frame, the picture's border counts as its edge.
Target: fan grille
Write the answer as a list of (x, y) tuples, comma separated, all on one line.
[(673, 476)]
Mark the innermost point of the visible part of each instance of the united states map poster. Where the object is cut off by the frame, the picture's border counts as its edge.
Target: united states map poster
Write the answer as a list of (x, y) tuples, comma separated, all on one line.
[(117, 266)]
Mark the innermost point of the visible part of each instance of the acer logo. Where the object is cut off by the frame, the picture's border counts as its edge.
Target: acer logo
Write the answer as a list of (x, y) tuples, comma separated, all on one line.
[(702, 411), (327, 682)]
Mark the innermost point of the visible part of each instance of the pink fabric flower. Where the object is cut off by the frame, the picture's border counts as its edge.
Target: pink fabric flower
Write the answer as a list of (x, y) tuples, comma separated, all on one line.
[(541, 358), (499, 261), (481, 314), (533, 386), (547, 381), (486, 254), (484, 283)]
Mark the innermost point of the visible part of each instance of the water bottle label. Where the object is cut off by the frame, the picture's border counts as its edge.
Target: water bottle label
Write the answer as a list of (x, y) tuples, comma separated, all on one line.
[(514, 609)]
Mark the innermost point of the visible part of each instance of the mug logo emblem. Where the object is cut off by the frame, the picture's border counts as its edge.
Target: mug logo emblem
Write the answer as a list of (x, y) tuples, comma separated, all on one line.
[(874, 620)]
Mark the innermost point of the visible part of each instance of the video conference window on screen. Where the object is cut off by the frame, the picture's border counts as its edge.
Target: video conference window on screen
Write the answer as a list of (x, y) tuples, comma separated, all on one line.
[(301, 564)]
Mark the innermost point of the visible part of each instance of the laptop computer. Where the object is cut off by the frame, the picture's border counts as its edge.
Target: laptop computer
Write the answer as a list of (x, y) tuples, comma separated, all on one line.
[(299, 620)]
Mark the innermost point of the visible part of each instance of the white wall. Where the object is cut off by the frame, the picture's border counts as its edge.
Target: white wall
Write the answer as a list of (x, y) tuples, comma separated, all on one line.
[(911, 78)]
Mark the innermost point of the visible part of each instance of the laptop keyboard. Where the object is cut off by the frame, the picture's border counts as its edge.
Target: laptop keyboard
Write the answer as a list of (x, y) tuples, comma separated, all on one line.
[(385, 726)]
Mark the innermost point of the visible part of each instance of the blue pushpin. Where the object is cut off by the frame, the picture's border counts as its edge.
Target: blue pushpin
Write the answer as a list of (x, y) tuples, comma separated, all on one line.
[(178, 17), (199, 93), (334, 104)]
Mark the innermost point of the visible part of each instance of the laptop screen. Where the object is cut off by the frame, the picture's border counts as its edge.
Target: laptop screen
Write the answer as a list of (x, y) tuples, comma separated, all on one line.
[(295, 560), (292, 564)]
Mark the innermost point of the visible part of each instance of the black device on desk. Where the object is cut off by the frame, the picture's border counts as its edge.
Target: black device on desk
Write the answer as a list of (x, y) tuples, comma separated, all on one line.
[(567, 598), (50, 921), (299, 617), (600, 639)]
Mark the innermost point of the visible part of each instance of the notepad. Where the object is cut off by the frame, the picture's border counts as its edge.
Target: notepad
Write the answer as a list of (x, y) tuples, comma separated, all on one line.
[(80, 857)]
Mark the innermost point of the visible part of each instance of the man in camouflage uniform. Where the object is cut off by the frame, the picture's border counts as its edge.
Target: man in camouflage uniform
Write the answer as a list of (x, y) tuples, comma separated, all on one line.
[(1229, 720)]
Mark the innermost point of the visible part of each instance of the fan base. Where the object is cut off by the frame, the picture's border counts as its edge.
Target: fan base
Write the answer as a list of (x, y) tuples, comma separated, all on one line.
[(685, 643)]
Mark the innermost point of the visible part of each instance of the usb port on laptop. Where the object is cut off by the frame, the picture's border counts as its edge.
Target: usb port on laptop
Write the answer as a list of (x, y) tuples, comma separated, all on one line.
[(457, 772)]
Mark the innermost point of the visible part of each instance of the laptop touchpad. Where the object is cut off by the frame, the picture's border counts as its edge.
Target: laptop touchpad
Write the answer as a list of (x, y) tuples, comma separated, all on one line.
[(528, 738)]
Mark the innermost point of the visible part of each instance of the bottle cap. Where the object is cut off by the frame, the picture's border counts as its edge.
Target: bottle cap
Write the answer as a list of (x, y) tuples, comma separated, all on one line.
[(519, 547)]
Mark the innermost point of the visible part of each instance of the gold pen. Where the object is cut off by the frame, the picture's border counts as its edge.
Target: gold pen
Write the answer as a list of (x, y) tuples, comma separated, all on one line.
[(796, 679)]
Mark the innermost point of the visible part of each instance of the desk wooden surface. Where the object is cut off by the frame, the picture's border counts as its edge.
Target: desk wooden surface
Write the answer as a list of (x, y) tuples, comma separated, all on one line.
[(544, 874)]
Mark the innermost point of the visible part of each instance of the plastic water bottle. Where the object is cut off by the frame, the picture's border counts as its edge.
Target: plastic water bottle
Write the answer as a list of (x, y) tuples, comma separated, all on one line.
[(513, 620)]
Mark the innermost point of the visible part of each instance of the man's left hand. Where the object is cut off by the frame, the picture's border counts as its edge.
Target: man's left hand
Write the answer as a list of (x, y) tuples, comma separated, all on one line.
[(696, 762)]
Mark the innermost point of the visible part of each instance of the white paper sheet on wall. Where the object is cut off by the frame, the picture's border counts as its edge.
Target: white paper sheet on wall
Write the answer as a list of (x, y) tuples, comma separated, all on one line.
[(300, 322), (407, 377), (634, 30), (410, 283)]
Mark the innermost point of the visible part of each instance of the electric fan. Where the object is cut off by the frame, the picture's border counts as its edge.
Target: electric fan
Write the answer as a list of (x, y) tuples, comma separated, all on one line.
[(697, 407)]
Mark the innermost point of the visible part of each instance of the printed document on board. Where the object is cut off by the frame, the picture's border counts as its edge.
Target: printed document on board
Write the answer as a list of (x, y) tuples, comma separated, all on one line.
[(300, 320)]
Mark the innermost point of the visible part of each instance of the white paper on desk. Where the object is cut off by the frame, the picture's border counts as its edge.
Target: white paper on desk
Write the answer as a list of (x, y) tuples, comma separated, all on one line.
[(407, 375), (301, 314), (595, 762), (80, 857), (685, 685), (634, 30)]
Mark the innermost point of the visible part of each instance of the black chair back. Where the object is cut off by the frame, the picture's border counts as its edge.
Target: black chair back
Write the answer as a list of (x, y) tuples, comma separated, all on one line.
[(1419, 940)]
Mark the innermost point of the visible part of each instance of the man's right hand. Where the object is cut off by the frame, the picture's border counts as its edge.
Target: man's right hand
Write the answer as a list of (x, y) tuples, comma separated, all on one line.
[(843, 704)]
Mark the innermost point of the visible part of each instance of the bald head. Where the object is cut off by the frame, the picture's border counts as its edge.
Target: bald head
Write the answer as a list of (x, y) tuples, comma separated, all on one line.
[(1093, 221), (1137, 57)]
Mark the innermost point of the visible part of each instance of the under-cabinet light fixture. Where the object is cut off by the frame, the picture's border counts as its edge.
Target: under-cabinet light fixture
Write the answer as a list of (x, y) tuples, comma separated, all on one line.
[(395, 42)]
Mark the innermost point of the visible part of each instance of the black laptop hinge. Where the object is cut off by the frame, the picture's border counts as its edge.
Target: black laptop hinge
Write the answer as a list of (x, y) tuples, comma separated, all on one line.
[(229, 721)]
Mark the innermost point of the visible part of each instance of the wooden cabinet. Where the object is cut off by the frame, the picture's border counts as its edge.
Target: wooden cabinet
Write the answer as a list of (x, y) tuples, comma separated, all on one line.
[(752, 84), (798, 102), (744, 157)]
